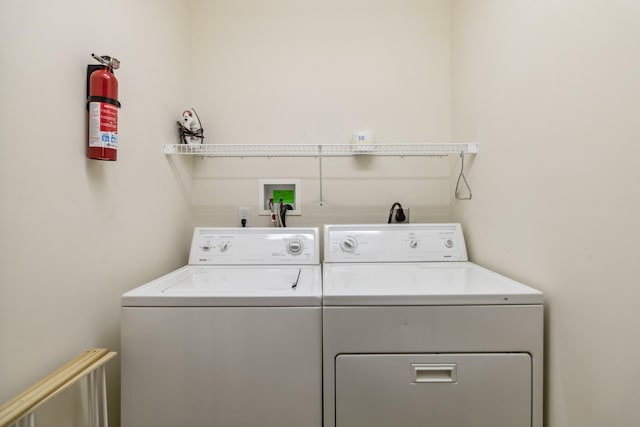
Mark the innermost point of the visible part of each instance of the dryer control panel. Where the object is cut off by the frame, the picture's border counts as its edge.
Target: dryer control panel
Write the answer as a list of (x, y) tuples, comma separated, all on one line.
[(254, 246), (394, 243)]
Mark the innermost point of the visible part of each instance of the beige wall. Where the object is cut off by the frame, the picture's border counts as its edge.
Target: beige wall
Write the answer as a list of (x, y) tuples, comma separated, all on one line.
[(550, 90), (75, 233), (312, 72)]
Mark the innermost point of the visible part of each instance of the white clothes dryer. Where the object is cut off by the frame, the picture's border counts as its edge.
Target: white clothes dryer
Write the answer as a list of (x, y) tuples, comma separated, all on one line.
[(232, 339), (416, 335)]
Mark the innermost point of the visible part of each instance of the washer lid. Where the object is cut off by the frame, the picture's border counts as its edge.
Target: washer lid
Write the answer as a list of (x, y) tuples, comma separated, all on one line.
[(438, 283), (231, 286)]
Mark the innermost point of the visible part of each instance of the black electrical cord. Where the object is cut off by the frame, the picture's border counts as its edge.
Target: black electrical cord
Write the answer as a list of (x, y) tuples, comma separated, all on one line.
[(185, 132), (400, 216), (283, 213)]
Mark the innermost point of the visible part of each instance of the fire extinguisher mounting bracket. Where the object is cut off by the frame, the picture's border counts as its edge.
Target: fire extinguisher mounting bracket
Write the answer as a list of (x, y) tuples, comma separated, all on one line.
[(90, 69)]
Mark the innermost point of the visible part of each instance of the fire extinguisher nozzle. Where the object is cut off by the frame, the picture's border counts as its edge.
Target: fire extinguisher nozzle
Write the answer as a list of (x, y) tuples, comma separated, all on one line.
[(107, 61)]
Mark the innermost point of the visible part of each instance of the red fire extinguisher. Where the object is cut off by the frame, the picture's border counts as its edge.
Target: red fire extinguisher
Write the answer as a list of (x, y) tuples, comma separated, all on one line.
[(103, 108)]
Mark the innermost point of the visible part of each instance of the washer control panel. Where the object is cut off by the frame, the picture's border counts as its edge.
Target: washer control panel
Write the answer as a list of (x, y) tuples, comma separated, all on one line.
[(243, 246), (394, 243)]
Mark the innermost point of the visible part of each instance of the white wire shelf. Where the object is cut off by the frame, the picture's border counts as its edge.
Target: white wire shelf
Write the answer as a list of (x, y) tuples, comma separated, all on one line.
[(317, 150)]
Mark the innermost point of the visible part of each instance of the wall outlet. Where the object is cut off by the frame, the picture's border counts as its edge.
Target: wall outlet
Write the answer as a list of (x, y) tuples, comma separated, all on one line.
[(244, 213), (396, 220)]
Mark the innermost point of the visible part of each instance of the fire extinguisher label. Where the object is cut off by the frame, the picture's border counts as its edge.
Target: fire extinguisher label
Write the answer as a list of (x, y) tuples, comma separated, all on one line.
[(103, 125)]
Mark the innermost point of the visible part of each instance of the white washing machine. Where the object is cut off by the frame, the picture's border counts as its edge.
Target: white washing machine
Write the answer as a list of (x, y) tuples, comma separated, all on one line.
[(232, 339), (415, 335)]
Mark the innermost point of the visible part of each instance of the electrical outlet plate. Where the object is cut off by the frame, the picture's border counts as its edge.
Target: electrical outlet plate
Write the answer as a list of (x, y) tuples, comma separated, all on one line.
[(244, 213), (406, 214)]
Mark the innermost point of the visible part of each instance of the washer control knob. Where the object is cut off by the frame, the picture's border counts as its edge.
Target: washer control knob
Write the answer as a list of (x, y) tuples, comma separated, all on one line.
[(295, 246), (224, 246), (448, 243), (206, 247), (413, 243), (349, 244)]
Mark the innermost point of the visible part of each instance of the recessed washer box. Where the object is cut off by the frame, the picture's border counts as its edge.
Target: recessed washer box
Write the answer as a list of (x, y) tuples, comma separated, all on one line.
[(286, 189)]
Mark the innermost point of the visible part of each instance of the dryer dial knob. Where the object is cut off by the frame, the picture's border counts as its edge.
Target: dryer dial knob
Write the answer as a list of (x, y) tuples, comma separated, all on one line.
[(295, 246), (413, 243), (349, 244), (448, 243)]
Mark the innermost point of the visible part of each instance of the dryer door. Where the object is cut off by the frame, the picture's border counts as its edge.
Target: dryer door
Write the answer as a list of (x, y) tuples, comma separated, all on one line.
[(440, 390)]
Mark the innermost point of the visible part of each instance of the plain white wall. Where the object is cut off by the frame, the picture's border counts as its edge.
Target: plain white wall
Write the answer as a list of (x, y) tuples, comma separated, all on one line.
[(550, 90), (315, 72), (76, 233)]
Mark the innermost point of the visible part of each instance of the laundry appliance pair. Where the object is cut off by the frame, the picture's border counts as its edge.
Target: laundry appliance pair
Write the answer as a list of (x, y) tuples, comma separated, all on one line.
[(396, 329)]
